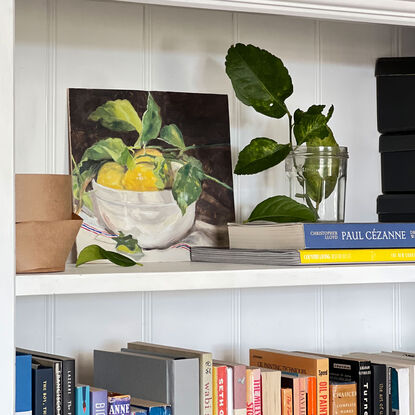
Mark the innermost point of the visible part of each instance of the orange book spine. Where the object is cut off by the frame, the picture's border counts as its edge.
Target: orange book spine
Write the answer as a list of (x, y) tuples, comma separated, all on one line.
[(311, 396), (214, 390), (286, 401)]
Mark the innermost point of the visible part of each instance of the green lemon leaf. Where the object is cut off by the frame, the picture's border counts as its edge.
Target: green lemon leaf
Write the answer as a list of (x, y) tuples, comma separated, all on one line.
[(95, 252), (260, 79), (187, 186), (127, 243), (118, 115), (328, 141), (173, 136), (109, 149), (151, 123), (261, 154), (282, 209), (311, 126), (320, 177)]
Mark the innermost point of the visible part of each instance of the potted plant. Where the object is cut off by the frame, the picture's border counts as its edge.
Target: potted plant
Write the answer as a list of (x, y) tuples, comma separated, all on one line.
[(315, 163)]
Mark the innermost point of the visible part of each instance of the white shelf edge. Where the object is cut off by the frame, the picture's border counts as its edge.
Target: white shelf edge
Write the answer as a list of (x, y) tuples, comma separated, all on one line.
[(179, 276), (397, 12)]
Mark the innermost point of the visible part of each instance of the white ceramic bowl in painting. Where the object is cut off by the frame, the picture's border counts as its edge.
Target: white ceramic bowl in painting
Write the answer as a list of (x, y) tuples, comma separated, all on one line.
[(153, 218)]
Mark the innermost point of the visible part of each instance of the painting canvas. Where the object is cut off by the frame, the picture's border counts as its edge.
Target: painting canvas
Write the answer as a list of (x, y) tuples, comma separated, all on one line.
[(151, 171)]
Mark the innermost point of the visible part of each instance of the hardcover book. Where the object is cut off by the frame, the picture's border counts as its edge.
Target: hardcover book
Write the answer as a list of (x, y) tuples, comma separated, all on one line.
[(23, 400), (118, 404), (220, 389), (286, 401), (293, 383), (163, 183), (151, 377), (205, 367), (349, 369), (42, 390), (401, 385), (297, 362), (98, 400), (271, 391), (64, 378), (150, 407), (343, 399), (271, 235), (253, 390), (82, 406), (289, 257), (238, 386)]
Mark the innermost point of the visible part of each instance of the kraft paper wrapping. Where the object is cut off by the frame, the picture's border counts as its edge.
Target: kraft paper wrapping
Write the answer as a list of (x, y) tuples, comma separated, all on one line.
[(43, 197), (44, 246)]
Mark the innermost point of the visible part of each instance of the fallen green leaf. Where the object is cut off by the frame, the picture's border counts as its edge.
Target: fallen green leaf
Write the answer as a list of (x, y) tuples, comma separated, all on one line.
[(95, 252)]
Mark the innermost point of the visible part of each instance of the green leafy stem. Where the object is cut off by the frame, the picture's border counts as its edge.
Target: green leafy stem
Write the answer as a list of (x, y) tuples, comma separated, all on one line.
[(261, 80)]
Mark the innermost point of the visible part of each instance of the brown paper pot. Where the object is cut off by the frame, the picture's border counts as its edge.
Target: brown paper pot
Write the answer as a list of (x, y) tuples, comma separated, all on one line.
[(45, 246), (43, 197)]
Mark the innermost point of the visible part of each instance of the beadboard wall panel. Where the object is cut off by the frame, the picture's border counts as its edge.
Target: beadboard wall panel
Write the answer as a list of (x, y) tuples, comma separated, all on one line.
[(87, 322), (198, 320), (85, 43)]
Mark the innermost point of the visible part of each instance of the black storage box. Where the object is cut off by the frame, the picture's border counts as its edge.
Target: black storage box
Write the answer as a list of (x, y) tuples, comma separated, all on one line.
[(395, 84), (396, 208), (397, 163)]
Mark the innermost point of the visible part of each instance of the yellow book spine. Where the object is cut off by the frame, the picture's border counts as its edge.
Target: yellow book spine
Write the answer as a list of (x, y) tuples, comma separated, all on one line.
[(215, 390), (341, 256)]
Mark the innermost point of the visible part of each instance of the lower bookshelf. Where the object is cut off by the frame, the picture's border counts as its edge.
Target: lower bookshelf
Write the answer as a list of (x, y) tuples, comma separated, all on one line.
[(105, 278)]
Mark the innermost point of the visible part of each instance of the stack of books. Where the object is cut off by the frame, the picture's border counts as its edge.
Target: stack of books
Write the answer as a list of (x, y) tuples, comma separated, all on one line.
[(269, 243), (152, 379)]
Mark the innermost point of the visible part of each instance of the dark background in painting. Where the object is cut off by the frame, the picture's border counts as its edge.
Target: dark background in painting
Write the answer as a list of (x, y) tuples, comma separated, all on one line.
[(202, 119)]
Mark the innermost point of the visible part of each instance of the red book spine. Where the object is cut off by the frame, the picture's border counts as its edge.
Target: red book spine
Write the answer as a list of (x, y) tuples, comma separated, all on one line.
[(222, 388)]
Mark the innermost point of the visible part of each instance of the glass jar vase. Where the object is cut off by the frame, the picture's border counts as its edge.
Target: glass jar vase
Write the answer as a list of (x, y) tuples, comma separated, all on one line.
[(317, 177)]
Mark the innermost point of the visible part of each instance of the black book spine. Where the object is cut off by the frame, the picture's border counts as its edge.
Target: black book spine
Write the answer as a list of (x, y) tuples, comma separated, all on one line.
[(58, 387), (345, 370), (42, 391), (379, 389), (364, 387), (389, 389), (68, 387)]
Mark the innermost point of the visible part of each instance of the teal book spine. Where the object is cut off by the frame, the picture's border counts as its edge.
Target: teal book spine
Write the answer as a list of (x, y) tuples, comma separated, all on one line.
[(82, 406)]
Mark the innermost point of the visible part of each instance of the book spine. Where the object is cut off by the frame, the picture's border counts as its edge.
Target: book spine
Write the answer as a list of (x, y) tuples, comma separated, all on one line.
[(206, 389), (311, 396), (302, 395), (229, 397), (58, 387), (256, 378), (249, 392), (222, 390), (82, 406), (98, 402), (215, 390), (359, 235), (343, 399), (239, 389), (379, 389), (389, 389), (322, 380), (364, 401), (68, 386), (286, 401), (340, 256)]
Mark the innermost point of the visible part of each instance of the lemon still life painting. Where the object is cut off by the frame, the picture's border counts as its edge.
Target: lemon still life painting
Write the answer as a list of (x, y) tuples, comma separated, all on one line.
[(151, 171)]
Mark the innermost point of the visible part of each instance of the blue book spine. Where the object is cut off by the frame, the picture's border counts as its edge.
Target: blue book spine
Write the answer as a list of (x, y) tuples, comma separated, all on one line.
[(23, 383), (359, 235), (98, 401), (82, 406), (42, 391)]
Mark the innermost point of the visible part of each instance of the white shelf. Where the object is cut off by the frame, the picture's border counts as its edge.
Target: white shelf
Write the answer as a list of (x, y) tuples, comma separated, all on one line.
[(397, 12), (103, 278)]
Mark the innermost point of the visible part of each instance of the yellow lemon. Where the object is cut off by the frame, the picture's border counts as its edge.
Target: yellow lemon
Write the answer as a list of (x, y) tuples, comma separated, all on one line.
[(141, 178), (150, 173), (111, 175), (147, 155)]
